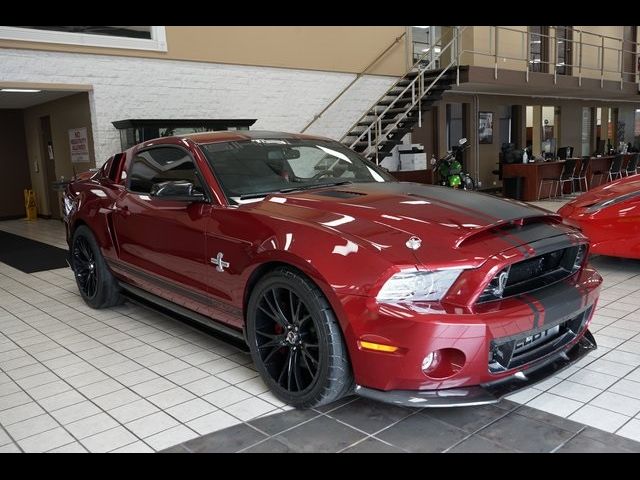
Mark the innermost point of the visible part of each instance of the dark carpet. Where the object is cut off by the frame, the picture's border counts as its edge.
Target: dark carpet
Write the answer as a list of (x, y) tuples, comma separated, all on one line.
[(29, 255)]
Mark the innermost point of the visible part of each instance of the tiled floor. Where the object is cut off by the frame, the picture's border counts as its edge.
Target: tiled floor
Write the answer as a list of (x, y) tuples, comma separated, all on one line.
[(126, 379), (359, 425)]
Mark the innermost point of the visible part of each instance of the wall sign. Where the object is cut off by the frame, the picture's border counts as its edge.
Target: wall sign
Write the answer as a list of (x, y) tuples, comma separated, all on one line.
[(79, 145)]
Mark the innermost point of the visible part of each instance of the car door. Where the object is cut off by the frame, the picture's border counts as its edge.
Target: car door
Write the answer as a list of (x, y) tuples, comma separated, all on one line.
[(162, 241)]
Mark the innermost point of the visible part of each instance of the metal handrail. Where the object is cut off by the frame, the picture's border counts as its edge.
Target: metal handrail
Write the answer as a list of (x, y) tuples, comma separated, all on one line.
[(376, 60), (415, 65), (422, 91)]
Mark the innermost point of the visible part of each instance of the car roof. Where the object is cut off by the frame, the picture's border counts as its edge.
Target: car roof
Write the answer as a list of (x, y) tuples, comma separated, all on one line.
[(239, 135)]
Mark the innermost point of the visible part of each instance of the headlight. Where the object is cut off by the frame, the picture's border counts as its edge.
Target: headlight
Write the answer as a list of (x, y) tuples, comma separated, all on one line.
[(418, 286), (69, 205)]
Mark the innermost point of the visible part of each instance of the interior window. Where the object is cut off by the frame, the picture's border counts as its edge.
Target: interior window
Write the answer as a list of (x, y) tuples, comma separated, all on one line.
[(160, 165)]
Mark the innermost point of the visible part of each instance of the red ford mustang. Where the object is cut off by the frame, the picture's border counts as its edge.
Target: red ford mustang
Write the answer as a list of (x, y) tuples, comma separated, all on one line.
[(339, 278), (610, 216)]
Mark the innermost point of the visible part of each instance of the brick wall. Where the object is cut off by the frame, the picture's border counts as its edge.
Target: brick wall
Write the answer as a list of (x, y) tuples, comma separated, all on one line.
[(125, 87)]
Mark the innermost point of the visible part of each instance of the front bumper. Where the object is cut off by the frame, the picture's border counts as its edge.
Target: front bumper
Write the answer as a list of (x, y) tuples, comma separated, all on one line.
[(486, 393)]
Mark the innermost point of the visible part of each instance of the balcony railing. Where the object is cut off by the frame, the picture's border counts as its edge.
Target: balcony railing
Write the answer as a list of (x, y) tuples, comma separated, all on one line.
[(592, 55)]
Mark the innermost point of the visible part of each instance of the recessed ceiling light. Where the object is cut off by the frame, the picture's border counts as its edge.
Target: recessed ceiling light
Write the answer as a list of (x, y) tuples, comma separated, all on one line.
[(20, 90)]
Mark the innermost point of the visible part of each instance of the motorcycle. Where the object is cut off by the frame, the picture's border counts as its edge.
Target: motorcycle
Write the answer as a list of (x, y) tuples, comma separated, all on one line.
[(450, 168)]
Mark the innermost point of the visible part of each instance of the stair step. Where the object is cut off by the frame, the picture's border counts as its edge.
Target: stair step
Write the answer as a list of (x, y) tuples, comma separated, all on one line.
[(399, 101), (362, 145)]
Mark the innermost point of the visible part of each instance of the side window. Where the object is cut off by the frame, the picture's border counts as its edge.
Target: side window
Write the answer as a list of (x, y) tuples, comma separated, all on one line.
[(160, 165)]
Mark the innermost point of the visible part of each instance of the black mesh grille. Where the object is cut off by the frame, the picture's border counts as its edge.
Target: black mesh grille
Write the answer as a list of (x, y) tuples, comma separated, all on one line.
[(534, 273)]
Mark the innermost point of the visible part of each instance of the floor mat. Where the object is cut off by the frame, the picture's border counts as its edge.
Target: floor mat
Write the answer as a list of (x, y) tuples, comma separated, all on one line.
[(29, 255)]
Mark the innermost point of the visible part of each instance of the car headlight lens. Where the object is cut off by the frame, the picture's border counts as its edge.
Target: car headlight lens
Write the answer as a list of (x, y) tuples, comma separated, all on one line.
[(418, 286)]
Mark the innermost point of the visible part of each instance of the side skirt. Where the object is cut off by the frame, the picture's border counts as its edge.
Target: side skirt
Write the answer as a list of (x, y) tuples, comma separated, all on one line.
[(171, 310)]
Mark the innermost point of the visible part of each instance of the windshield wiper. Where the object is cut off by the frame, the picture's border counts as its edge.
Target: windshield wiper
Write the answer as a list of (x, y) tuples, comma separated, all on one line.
[(249, 196)]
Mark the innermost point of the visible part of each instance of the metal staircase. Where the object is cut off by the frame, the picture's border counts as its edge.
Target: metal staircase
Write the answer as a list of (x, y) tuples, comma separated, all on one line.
[(400, 109)]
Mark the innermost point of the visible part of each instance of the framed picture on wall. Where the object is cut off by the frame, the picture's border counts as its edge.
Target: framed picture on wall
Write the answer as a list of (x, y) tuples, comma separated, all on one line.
[(485, 127)]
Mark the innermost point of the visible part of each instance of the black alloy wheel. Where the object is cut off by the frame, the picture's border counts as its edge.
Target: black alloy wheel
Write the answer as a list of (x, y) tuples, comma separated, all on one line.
[(97, 285), (84, 266), (287, 340), (295, 340)]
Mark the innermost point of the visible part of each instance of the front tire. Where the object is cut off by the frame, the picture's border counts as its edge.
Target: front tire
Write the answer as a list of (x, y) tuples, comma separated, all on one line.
[(97, 285), (296, 342)]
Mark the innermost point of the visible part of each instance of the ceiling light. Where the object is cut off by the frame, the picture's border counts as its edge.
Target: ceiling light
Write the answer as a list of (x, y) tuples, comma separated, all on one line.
[(20, 90)]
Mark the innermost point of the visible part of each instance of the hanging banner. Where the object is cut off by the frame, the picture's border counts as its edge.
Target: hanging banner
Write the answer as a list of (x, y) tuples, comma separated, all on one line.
[(79, 145)]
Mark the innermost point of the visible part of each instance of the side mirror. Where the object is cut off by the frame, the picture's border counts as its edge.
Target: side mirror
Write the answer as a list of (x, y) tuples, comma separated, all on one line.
[(178, 190)]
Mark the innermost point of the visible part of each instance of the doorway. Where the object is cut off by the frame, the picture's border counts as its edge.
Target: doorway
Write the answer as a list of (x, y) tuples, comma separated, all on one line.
[(48, 163)]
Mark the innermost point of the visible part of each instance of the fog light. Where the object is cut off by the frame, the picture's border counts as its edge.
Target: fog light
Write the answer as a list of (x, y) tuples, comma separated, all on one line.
[(430, 362), (443, 363)]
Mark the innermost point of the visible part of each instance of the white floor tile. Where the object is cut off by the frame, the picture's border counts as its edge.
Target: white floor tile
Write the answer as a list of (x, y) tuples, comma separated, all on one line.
[(205, 385), (171, 397), (46, 441), (9, 448), (575, 391), (212, 422), (91, 425), (617, 403), (135, 447), (250, 408), (109, 440), (523, 396), (555, 404), (227, 396), (31, 426), (20, 413), (627, 387), (599, 418), (75, 412), (170, 437), (631, 430), (132, 411), (592, 378), (189, 410), (74, 447), (610, 368), (151, 424)]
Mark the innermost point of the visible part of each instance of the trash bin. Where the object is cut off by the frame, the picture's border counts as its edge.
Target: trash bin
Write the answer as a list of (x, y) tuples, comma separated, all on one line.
[(513, 187)]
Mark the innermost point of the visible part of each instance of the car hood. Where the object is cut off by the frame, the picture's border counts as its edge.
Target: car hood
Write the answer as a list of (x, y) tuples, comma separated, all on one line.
[(455, 227), (608, 191)]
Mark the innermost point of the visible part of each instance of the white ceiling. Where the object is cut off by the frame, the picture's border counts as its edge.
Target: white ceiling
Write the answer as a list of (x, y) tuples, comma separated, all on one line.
[(18, 100)]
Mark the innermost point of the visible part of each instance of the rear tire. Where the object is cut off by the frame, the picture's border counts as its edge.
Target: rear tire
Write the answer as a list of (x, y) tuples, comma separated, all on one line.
[(296, 342), (97, 285)]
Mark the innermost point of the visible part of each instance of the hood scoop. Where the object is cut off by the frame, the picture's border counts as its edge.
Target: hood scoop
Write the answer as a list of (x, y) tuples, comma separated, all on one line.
[(340, 194)]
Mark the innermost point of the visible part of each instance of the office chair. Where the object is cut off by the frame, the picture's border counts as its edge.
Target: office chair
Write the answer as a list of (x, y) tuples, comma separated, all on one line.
[(566, 175), (582, 173), (632, 165)]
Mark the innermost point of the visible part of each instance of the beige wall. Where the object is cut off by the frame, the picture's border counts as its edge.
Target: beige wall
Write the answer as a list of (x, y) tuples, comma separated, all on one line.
[(13, 164), (331, 48), (65, 114), (512, 44)]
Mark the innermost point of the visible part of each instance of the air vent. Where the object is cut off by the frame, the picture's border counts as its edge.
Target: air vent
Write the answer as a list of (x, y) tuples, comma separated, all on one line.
[(340, 194)]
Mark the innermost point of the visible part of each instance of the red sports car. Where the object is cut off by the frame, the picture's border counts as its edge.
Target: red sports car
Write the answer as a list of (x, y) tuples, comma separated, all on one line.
[(610, 216), (338, 277)]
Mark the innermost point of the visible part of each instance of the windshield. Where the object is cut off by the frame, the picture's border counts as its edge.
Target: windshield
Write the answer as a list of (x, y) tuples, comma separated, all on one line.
[(251, 169)]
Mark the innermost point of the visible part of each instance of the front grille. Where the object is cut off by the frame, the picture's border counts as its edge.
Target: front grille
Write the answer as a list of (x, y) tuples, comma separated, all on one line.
[(534, 273), (513, 352)]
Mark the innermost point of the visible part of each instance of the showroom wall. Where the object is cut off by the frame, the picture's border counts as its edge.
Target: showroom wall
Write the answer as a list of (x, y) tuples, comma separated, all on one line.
[(65, 113), (328, 48), (13, 159), (125, 87)]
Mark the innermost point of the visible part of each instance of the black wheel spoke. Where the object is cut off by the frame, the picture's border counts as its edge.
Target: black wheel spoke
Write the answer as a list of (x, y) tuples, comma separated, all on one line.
[(307, 366), (279, 310), (276, 342), (84, 267), (285, 330), (270, 354)]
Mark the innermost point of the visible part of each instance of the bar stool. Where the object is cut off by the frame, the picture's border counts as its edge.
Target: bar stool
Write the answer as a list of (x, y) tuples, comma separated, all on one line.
[(632, 165), (582, 174)]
